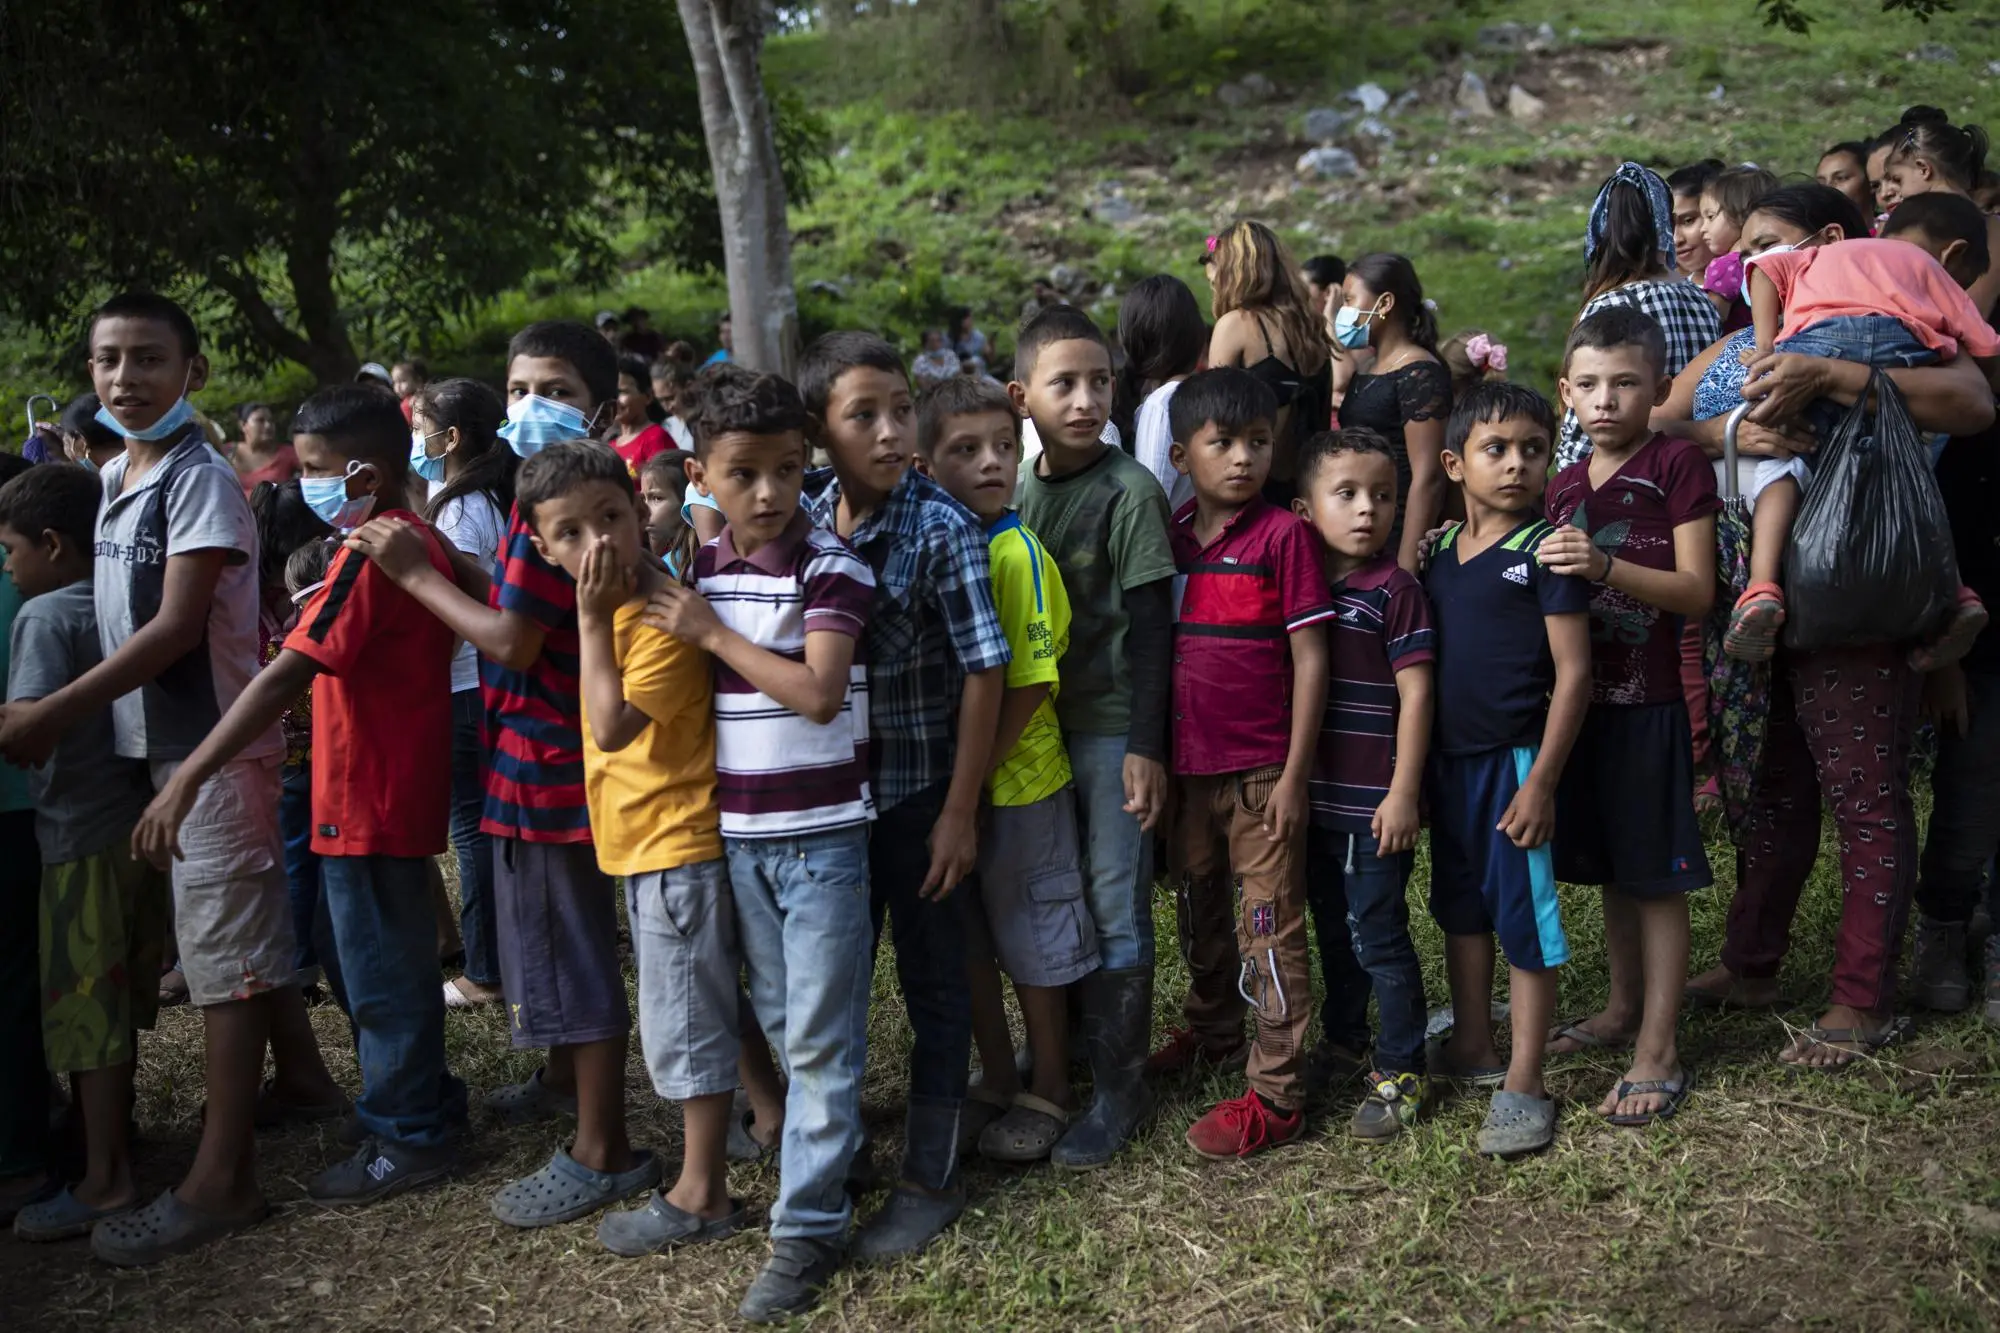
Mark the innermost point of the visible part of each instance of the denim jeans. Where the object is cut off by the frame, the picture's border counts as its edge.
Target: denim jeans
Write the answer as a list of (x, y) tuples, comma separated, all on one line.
[(301, 861), (475, 853), (1361, 915), (930, 971), (1965, 817), (803, 923), (386, 936), (1873, 340), (1117, 853)]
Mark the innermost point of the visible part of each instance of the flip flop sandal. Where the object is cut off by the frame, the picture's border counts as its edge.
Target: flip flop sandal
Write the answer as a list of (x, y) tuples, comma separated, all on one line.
[(1517, 1123), (528, 1101), (1585, 1039), (1676, 1090), (1754, 624), (566, 1189), (63, 1217), (162, 1229), (982, 1107), (660, 1226), (1816, 1036), (1030, 1128), (1477, 1076), (1968, 618)]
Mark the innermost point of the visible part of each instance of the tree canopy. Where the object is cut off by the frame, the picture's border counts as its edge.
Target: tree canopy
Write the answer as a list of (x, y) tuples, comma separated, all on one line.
[(310, 173)]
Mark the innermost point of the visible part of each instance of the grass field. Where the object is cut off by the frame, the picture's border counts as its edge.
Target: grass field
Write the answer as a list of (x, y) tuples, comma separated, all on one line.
[(1869, 1200)]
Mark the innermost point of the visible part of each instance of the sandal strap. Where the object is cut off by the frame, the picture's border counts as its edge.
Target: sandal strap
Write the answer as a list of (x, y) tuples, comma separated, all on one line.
[(1028, 1101)]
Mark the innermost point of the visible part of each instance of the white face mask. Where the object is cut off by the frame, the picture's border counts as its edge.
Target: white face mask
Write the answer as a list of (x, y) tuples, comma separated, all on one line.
[(1784, 249)]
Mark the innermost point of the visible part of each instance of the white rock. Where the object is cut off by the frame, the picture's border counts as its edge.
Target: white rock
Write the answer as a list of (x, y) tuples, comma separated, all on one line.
[(1523, 105), (1324, 124), (1372, 96), (1259, 87), (1328, 163), (1472, 95)]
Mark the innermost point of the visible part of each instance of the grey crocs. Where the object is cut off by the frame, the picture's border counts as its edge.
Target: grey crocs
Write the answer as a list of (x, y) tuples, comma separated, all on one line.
[(163, 1228), (1517, 1123), (660, 1225), (528, 1101), (63, 1217), (566, 1189)]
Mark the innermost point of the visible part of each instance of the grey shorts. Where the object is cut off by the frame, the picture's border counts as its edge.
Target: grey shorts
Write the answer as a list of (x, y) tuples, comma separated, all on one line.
[(232, 901), (1025, 905), (684, 947)]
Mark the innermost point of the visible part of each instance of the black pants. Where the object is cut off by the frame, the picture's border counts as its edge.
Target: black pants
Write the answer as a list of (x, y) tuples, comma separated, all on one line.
[(24, 1074)]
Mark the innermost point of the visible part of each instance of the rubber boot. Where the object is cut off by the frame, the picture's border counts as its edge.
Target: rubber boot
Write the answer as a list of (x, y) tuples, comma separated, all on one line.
[(1938, 978), (1117, 1030), (929, 1197)]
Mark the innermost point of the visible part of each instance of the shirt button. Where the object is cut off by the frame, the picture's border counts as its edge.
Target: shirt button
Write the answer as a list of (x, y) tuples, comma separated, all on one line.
[(1178, 717)]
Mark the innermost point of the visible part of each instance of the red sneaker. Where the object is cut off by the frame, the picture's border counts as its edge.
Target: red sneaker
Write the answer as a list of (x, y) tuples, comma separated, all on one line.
[(1184, 1050), (1243, 1128)]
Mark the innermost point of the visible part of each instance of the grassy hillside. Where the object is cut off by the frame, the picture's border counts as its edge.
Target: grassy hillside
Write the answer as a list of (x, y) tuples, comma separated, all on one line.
[(959, 175)]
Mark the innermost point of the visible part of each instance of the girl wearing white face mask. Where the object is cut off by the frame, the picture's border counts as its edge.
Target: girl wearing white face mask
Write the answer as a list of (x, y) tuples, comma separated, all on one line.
[(1406, 395)]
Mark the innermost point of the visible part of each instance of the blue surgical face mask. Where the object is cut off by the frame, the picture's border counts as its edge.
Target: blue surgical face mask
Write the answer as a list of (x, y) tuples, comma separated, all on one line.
[(421, 463), (177, 416), (1774, 250), (327, 497), (1350, 326), (534, 423)]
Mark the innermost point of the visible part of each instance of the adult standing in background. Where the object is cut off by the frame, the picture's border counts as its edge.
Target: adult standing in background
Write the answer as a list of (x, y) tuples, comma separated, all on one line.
[(260, 455), (1265, 323), (723, 335)]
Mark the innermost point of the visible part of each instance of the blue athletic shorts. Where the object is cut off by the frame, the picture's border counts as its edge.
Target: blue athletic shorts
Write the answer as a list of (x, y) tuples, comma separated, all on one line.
[(1481, 883)]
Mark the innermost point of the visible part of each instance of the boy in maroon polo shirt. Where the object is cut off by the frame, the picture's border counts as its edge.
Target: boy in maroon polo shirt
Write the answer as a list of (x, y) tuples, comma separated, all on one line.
[(1249, 684), (381, 791)]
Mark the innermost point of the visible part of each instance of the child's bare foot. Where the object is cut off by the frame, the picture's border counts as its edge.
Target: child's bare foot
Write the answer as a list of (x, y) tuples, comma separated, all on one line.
[(1719, 988), (1840, 1037), (465, 993), (1754, 624), (1968, 618)]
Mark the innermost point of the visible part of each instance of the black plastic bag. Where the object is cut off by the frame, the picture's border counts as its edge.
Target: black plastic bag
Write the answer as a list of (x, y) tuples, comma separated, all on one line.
[(1871, 556)]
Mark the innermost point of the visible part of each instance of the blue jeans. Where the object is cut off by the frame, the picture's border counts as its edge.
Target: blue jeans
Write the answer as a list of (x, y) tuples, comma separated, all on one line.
[(295, 821), (1873, 340), (386, 937), (1361, 915), (803, 923), (475, 853), (1117, 853)]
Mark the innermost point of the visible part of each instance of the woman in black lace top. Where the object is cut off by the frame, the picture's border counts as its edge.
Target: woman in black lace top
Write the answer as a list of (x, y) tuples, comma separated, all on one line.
[(1407, 394)]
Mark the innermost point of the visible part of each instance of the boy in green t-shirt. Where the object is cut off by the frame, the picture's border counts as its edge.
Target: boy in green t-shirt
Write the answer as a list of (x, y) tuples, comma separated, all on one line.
[(1026, 905)]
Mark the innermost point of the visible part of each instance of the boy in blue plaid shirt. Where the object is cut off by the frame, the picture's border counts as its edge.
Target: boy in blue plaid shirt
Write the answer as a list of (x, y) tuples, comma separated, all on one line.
[(937, 659)]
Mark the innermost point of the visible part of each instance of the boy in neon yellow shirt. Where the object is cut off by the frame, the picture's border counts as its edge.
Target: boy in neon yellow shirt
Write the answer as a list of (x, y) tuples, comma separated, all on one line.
[(1027, 907)]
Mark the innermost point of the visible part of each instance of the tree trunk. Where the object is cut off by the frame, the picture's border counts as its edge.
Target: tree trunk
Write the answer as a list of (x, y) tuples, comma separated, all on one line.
[(726, 40)]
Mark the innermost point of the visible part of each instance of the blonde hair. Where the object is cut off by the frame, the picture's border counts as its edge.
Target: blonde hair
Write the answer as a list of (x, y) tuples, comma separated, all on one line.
[(1254, 272)]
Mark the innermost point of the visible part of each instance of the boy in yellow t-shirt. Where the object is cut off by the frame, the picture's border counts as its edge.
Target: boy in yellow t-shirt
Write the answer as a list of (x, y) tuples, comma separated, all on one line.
[(649, 777), (1026, 904)]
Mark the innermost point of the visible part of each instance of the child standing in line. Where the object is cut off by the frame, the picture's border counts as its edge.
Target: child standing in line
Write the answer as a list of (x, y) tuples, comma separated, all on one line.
[(782, 606), (381, 788), (937, 658), (1026, 909), (1513, 684), (175, 587), (649, 770), (557, 915), (1367, 782), (1638, 523), (663, 486), (1103, 517), (103, 913), (1249, 692)]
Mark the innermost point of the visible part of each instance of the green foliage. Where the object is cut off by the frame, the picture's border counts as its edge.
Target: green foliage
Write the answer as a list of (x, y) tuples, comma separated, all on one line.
[(1793, 17)]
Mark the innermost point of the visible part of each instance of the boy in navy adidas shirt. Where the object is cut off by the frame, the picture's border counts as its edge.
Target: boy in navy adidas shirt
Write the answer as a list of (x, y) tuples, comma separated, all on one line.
[(1513, 683)]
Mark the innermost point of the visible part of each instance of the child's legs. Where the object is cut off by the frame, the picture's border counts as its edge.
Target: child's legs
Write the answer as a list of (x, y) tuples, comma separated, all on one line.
[(990, 1035), (24, 1098), (1964, 830), (684, 948), (1533, 997), (474, 850), (1520, 892), (1661, 924), (1198, 856), (556, 920), (385, 936), (1468, 972), (104, 1096), (1118, 854), (1343, 1010), (1271, 939), (1462, 790), (1378, 923), (1045, 1014), (301, 861), (1031, 891), (223, 1177), (802, 905), (1771, 529), (444, 923), (758, 1073)]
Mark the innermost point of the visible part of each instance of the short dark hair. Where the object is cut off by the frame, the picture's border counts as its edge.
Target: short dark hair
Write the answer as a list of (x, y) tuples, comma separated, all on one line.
[(636, 367), (1945, 217), (729, 400), (361, 423), (1326, 270), (1693, 178), (1619, 326), (80, 418), (960, 396), (53, 497), (592, 358), (1323, 447), (1495, 400), (12, 466), (1229, 396), (560, 469), (833, 355), (149, 305), (1057, 324)]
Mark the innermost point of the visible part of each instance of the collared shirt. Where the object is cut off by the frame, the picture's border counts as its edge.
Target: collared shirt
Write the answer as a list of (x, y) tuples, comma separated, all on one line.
[(1238, 600), (780, 774), (1381, 625), (933, 625), (1035, 610)]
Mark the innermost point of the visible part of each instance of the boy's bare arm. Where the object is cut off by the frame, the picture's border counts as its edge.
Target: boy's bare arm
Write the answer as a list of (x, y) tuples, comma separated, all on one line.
[(1017, 709), (955, 836), (1397, 824), (1688, 589), (397, 548), (1285, 814), (29, 731), (1530, 819)]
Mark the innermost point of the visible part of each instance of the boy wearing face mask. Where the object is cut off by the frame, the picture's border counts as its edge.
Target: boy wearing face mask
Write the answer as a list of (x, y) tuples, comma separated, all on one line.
[(176, 591), (555, 910), (381, 790)]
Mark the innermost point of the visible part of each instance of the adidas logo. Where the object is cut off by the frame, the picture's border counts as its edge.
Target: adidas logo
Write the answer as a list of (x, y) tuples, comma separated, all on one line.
[(1518, 574)]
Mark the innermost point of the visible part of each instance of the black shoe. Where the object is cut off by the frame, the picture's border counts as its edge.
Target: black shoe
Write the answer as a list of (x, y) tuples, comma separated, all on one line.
[(791, 1280), (908, 1222), (381, 1170)]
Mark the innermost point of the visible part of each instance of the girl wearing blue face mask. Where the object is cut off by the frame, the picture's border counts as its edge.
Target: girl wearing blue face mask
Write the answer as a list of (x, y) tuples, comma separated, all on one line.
[(1406, 395), (455, 445)]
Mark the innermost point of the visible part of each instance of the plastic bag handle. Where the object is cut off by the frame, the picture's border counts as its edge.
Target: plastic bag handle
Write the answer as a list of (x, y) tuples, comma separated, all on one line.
[(1729, 428)]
